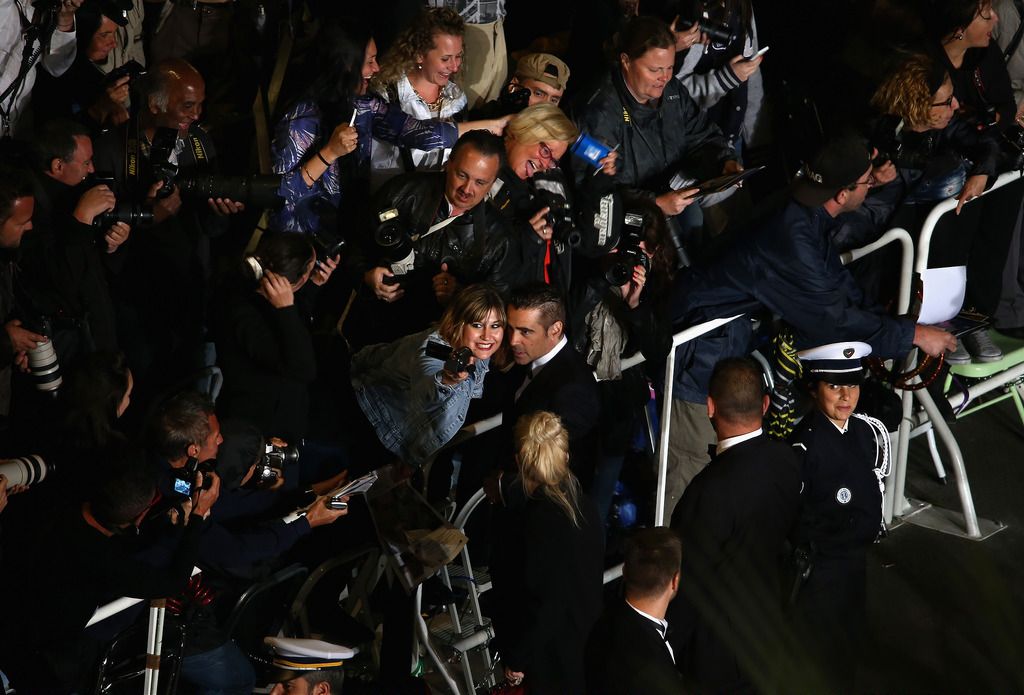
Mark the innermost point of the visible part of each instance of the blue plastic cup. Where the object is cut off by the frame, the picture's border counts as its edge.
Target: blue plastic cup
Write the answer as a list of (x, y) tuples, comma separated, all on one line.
[(590, 150)]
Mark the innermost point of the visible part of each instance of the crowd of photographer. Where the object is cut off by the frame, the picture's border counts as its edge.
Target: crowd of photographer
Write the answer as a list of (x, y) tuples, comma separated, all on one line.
[(434, 253)]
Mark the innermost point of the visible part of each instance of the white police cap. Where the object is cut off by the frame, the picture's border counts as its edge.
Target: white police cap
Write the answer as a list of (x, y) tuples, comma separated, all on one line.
[(837, 363), (291, 655)]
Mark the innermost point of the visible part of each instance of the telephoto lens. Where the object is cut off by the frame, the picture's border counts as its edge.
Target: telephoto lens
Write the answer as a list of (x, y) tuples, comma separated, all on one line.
[(43, 364), (24, 470)]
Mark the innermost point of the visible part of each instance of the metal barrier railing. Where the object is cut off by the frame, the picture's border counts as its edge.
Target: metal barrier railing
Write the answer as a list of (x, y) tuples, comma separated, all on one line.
[(968, 525)]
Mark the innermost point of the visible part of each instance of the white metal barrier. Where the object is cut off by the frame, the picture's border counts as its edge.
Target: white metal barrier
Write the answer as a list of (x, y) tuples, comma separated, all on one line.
[(965, 523)]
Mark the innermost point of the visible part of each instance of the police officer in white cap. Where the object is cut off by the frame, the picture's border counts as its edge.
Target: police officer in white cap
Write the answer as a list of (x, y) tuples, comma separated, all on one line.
[(307, 666), (845, 459)]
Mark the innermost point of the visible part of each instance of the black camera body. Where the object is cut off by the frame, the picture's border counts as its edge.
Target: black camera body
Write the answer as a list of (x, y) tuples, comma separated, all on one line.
[(394, 245), (629, 253), (131, 212), (277, 454), (455, 361), (513, 99), (550, 190), (132, 70), (184, 477), (326, 244)]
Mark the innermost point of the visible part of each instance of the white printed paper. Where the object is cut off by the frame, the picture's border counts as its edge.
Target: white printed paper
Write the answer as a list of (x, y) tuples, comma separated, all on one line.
[(944, 290)]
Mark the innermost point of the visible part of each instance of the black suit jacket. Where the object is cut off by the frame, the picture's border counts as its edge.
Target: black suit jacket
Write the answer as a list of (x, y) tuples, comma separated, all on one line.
[(626, 656), (734, 518), (567, 388)]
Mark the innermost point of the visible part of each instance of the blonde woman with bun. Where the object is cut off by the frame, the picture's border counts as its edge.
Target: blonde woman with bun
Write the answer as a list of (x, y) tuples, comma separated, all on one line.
[(547, 564)]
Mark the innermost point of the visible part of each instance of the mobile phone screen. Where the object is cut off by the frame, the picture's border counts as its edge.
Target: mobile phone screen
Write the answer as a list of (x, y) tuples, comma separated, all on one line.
[(182, 487)]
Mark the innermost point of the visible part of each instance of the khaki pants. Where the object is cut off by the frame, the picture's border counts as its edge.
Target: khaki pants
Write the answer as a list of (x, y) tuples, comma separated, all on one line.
[(690, 435), (486, 67)]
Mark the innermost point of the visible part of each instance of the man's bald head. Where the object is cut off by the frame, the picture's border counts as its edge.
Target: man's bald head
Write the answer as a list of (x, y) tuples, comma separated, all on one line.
[(173, 92)]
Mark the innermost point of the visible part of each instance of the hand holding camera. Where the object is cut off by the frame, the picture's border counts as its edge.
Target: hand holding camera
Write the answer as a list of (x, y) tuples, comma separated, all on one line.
[(116, 235), (225, 206), (687, 38), (459, 363), (322, 270), (376, 280), (22, 341), (94, 202), (165, 206), (205, 492)]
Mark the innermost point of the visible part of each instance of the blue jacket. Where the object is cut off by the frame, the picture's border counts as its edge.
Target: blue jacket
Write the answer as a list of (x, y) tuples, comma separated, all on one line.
[(400, 391), (789, 266)]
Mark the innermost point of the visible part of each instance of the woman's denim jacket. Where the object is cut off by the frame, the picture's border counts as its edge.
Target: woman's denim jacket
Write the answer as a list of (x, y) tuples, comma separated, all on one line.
[(399, 389)]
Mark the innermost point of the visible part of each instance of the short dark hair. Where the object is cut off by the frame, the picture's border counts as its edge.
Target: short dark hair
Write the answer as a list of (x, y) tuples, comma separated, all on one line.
[(540, 296), (737, 388), (181, 420), (127, 486), (483, 141), (14, 183), (652, 558), (285, 253), (641, 34), (56, 140)]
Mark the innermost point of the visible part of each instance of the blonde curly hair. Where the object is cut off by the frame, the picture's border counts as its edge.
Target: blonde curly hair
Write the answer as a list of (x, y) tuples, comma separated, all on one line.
[(542, 444), (417, 40), (905, 92)]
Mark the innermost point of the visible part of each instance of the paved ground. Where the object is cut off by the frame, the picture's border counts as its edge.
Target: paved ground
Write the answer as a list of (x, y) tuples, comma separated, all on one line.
[(947, 613)]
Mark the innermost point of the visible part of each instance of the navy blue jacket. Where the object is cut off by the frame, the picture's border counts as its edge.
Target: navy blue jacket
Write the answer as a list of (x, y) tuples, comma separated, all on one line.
[(789, 266)]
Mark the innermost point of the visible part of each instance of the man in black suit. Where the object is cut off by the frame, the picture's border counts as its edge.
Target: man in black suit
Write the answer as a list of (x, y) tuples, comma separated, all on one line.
[(551, 375), (628, 652), (733, 519)]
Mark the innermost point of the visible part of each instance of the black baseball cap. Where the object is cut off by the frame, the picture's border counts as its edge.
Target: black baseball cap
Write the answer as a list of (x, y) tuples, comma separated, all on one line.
[(837, 165)]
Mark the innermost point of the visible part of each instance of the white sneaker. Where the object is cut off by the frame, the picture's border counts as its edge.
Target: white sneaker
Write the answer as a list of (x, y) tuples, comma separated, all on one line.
[(981, 347), (958, 356)]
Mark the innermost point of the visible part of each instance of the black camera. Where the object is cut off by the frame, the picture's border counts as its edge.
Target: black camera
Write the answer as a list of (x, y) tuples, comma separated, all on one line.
[(185, 477), (131, 212), (455, 361), (161, 150), (708, 16), (887, 140), (132, 69), (513, 99), (550, 190), (629, 253), (394, 245), (327, 245), (277, 453)]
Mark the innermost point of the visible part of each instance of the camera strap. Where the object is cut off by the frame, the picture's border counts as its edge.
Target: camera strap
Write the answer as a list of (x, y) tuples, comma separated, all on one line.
[(435, 228), (1011, 47), (131, 156)]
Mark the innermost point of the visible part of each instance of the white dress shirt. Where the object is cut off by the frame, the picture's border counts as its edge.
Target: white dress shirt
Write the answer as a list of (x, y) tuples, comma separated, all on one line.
[(662, 626), (730, 442)]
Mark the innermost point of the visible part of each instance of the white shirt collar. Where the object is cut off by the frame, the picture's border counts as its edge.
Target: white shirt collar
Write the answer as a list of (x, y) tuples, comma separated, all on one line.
[(539, 363), (660, 621), (842, 430), (730, 442)]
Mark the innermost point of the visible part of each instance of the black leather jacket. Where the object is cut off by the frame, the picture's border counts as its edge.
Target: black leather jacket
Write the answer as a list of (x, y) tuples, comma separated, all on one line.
[(476, 246)]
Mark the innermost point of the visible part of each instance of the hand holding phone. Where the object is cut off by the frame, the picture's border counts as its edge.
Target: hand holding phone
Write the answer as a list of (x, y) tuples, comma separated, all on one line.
[(759, 53)]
